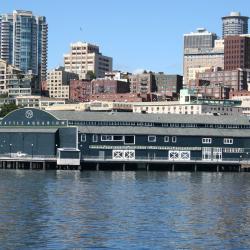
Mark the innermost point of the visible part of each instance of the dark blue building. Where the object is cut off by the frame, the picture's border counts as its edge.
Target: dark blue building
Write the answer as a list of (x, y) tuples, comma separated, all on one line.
[(80, 138)]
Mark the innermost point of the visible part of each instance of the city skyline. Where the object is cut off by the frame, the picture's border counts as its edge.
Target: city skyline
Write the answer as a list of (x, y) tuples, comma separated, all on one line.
[(138, 36)]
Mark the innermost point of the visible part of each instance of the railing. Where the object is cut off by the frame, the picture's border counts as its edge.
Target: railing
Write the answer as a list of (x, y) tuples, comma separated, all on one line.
[(165, 159), (15, 156)]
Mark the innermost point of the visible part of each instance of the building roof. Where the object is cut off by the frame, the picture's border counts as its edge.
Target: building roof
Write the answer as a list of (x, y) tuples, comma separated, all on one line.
[(161, 118)]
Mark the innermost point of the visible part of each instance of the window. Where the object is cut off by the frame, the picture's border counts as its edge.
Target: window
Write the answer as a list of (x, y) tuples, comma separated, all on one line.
[(129, 139), (117, 138), (151, 138), (95, 138), (228, 141), (206, 140), (83, 137), (166, 138), (106, 138), (174, 139)]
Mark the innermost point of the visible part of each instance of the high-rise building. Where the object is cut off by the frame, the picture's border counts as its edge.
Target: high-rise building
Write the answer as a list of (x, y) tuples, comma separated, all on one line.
[(201, 51), (23, 42), (234, 24), (199, 39), (85, 57), (237, 52)]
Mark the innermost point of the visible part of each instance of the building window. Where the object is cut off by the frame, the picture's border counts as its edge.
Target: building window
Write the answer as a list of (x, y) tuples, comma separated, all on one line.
[(95, 138), (206, 140), (83, 137), (174, 139), (129, 139), (228, 141), (151, 138), (166, 138), (106, 138)]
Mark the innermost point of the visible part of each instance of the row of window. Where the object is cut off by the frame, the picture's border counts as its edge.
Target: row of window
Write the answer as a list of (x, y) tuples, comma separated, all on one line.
[(155, 124), (209, 140), (130, 139)]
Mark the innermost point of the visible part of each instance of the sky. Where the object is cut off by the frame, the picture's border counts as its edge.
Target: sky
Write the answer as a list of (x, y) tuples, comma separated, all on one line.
[(137, 34)]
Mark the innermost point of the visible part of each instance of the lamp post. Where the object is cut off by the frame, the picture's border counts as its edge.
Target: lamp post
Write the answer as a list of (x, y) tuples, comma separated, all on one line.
[(10, 149), (32, 145)]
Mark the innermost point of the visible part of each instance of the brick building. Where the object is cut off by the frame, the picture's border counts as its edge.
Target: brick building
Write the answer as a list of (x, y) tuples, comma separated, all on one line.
[(80, 90)]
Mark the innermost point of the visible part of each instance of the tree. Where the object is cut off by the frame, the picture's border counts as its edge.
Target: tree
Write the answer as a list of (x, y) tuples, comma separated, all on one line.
[(91, 75), (7, 108)]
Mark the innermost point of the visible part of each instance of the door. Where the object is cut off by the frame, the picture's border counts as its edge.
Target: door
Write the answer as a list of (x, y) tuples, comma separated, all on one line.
[(206, 153)]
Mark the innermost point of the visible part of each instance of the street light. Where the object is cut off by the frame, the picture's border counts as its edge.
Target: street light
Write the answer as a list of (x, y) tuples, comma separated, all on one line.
[(10, 149), (32, 150)]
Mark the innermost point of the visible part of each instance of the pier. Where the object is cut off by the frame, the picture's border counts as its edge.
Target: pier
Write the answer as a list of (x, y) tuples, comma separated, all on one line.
[(137, 164)]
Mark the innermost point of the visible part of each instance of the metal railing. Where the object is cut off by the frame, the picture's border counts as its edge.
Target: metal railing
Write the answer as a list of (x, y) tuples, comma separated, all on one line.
[(165, 159)]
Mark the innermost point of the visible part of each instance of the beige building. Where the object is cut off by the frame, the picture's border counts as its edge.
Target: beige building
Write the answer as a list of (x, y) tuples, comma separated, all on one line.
[(58, 81), (85, 57)]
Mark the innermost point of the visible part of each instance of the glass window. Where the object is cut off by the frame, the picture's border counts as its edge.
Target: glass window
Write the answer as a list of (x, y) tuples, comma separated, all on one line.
[(206, 140), (129, 139), (166, 138), (174, 139), (95, 138), (151, 138), (228, 141), (83, 137)]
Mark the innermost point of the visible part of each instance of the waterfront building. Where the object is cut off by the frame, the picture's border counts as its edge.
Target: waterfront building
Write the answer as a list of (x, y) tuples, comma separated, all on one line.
[(202, 50), (81, 138), (85, 57), (23, 42), (234, 24), (237, 52), (58, 82)]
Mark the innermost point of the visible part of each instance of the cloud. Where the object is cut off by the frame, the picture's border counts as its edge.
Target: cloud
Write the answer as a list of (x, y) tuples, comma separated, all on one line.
[(138, 71)]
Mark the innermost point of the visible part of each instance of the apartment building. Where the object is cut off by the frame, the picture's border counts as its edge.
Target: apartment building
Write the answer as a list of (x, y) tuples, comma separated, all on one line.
[(58, 82), (84, 57)]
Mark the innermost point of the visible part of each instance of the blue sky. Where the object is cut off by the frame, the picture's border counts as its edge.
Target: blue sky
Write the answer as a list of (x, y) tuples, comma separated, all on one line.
[(137, 34)]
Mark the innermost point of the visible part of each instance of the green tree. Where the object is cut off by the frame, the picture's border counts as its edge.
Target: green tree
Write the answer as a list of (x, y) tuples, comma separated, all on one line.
[(7, 108), (91, 75)]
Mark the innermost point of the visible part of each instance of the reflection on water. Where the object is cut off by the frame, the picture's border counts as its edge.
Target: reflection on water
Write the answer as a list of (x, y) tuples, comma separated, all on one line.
[(125, 210)]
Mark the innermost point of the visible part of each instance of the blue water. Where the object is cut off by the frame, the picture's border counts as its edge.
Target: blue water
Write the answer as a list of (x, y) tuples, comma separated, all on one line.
[(124, 210)]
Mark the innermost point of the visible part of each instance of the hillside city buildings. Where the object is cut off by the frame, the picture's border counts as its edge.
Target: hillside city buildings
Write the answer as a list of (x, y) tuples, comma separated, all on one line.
[(23, 43), (214, 69)]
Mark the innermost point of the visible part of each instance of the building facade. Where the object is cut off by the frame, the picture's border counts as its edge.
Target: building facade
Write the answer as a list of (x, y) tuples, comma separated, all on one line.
[(81, 138), (234, 24), (80, 90), (142, 84), (85, 57), (208, 53), (237, 52), (23, 42), (168, 85), (58, 82)]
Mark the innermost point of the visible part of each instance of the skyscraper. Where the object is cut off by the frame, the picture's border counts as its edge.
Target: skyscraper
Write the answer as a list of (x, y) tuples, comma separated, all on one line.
[(23, 42), (234, 24)]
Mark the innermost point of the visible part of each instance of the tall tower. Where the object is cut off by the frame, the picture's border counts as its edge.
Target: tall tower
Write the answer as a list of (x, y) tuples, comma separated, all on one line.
[(234, 24), (23, 42)]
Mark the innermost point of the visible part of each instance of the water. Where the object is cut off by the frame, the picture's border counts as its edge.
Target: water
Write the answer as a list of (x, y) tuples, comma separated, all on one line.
[(124, 210)]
